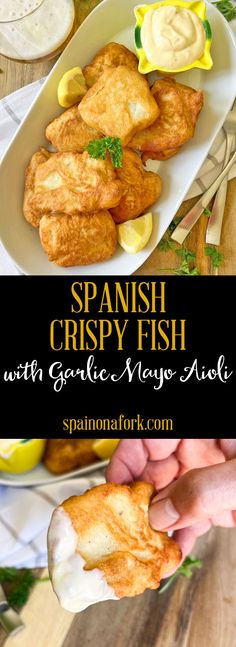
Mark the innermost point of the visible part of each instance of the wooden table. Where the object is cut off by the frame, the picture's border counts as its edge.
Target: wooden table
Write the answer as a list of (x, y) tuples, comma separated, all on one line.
[(16, 75), (200, 612)]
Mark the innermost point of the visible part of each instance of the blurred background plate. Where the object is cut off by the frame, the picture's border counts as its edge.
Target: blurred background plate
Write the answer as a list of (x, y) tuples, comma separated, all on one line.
[(41, 476)]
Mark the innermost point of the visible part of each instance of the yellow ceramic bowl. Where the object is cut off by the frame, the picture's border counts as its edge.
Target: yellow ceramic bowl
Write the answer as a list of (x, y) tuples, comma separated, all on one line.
[(199, 8), (23, 456)]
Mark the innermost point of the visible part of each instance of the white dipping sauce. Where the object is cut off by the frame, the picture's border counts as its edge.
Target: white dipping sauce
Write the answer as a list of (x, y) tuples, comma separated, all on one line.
[(39, 33), (172, 37), (75, 588)]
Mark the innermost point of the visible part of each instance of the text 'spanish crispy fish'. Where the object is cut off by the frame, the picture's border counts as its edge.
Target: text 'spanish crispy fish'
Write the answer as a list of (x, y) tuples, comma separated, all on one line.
[(101, 546)]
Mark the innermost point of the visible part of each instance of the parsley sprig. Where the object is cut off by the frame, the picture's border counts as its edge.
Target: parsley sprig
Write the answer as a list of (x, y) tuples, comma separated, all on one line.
[(98, 148), (18, 584), (185, 569), (187, 267), (226, 8), (217, 257)]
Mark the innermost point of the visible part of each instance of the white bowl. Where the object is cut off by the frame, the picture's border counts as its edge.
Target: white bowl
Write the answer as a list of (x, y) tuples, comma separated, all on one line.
[(113, 21)]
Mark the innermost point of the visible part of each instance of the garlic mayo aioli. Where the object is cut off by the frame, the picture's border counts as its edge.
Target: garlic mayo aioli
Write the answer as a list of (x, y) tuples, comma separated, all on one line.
[(75, 587), (172, 37)]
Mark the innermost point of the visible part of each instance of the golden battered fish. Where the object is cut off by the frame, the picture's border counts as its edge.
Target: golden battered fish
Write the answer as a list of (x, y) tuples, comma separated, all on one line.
[(69, 183), (120, 104), (104, 544), (141, 188), (80, 239), (64, 455), (179, 109), (38, 158), (108, 57), (69, 132)]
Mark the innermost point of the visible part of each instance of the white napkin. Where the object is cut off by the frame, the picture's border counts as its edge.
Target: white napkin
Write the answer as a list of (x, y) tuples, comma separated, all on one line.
[(25, 515), (13, 109)]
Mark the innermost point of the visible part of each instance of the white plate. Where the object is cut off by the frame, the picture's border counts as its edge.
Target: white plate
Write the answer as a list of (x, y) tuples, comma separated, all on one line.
[(113, 20), (41, 476)]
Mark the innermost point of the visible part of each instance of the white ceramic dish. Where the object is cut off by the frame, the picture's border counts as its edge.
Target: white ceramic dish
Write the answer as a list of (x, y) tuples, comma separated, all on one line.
[(113, 21), (41, 476)]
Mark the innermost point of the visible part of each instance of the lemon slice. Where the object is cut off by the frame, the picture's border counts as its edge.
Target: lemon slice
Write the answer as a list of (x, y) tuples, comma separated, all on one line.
[(105, 447), (133, 235), (72, 87)]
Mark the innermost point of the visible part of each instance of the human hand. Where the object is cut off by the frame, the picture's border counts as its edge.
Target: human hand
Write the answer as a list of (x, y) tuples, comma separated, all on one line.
[(195, 480)]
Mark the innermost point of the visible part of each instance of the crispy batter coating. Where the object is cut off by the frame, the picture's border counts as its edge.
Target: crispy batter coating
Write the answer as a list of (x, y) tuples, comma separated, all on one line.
[(142, 188), (63, 455), (69, 183), (120, 104), (108, 57), (30, 214), (79, 239), (162, 156), (114, 535), (179, 109), (69, 132)]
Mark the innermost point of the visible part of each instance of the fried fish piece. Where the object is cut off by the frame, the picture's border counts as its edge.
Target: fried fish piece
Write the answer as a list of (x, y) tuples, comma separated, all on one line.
[(120, 104), (103, 541), (108, 57), (64, 455), (162, 156), (179, 107), (80, 239), (69, 183), (69, 132), (30, 214), (141, 188)]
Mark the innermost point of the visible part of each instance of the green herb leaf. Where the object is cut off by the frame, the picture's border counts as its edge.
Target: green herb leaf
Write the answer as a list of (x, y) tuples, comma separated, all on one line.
[(8, 574), (217, 257), (98, 148), (19, 584), (185, 569), (165, 245), (186, 254), (226, 8), (185, 268), (207, 212)]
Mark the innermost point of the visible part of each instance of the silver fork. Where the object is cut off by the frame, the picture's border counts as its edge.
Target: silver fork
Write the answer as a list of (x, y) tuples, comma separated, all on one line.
[(215, 222), (187, 223), (9, 618)]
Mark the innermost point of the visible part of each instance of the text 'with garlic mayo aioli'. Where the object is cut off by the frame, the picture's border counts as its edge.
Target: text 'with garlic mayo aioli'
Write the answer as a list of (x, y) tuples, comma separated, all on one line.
[(172, 37)]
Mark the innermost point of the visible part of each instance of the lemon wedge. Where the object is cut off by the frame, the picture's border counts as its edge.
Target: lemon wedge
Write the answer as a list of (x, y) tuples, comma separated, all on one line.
[(105, 447), (72, 87), (133, 235), (21, 456)]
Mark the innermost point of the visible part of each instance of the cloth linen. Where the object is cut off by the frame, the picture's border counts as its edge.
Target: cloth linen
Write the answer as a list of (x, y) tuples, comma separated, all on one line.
[(25, 515), (14, 107)]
